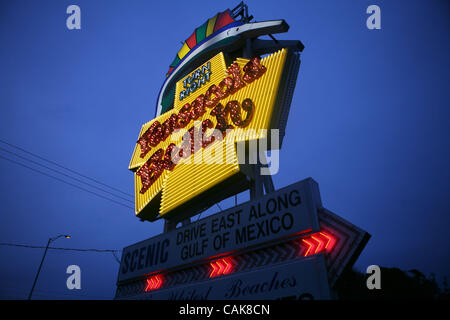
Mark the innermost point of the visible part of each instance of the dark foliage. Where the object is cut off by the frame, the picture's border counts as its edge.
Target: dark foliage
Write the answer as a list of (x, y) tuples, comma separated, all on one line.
[(396, 284)]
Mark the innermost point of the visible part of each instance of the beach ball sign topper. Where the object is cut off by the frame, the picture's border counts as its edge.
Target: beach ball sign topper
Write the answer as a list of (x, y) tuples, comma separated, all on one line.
[(224, 90)]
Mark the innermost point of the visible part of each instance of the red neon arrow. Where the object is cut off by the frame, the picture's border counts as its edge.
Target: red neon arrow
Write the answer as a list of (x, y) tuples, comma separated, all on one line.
[(157, 282), (228, 267), (153, 283), (318, 242), (149, 285), (221, 267), (214, 270), (310, 245), (331, 241)]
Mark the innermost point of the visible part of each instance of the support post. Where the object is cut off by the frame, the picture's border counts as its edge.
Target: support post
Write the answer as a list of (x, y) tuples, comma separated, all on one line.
[(39, 270)]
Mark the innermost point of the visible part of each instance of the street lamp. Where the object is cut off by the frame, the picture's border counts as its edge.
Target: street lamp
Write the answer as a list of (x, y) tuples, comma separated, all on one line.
[(50, 240)]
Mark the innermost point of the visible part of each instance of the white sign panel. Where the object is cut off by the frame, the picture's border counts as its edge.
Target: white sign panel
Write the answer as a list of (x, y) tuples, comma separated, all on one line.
[(303, 279), (279, 214)]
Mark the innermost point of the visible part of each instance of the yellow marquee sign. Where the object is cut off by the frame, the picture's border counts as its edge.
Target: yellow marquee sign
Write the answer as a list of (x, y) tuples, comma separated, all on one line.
[(221, 105)]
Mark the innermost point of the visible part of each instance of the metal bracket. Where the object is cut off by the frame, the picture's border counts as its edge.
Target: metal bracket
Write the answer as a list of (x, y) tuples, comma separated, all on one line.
[(170, 225)]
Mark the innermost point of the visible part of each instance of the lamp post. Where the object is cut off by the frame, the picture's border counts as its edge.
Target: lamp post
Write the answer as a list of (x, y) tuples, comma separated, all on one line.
[(50, 240)]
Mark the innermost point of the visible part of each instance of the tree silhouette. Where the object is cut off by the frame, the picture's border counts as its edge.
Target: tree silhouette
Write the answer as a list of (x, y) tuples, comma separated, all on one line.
[(396, 284)]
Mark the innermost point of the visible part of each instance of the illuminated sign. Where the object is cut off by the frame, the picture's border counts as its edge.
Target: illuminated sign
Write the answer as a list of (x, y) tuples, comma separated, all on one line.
[(225, 92), (280, 281), (215, 106), (285, 212), (245, 246), (197, 79)]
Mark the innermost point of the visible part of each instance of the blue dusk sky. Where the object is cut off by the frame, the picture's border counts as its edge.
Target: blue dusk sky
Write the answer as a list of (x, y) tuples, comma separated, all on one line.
[(370, 122)]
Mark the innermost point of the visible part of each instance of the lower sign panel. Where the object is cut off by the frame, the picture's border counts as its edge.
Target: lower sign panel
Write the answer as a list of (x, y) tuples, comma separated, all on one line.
[(298, 279), (279, 214)]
